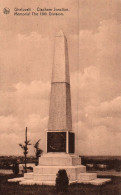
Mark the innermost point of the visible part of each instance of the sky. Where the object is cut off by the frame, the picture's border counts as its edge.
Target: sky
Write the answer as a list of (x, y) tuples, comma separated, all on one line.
[(93, 31)]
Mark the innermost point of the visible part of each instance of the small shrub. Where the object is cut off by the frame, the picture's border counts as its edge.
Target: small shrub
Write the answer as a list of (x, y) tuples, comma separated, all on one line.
[(62, 181), (15, 168)]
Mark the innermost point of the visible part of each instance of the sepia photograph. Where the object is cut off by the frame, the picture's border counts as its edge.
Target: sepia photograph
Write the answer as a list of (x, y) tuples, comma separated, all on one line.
[(60, 97)]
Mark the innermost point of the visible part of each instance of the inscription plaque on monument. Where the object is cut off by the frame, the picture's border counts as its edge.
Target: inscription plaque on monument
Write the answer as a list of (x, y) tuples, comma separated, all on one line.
[(61, 142), (56, 142)]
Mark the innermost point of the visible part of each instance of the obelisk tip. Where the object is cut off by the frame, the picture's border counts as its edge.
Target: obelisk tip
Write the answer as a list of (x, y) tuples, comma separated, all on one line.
[(60, 34)]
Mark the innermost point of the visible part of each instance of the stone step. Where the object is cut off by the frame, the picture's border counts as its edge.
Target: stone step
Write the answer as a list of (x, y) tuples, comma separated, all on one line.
[(59, 160), (33, 182), (28, 175), (18, 179), (81, 168), (97, 181), (55, 169), (87, 176), (72, 171), (44, 177), (38, 182)]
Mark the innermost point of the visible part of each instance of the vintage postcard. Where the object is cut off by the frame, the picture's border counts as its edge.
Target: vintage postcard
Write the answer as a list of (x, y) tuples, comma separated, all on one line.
[(60, 97)]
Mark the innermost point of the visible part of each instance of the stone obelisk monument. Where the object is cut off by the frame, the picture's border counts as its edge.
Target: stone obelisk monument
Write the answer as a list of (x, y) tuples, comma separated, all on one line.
[(59, 135), (60, 142), (60, 100)]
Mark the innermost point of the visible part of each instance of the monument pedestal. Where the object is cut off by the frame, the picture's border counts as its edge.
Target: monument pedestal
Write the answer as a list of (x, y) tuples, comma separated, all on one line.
[(59, 159), (49, 165)]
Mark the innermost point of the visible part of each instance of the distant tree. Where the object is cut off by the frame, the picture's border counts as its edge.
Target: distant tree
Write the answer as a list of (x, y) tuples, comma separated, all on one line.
[(117, 165), (25, 149), (15, 167), (38, 151)]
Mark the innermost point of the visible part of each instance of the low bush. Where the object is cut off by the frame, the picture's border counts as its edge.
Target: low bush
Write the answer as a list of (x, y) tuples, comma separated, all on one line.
[(62, 181)]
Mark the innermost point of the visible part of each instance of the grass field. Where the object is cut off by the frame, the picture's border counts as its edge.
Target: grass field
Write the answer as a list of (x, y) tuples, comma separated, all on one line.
[(111, 188)]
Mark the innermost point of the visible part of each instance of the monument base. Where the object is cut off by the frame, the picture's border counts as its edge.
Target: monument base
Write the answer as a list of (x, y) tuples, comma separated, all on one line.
[(49, 165)]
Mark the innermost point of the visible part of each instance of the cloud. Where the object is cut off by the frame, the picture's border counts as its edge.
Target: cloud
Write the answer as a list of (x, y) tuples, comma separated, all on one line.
[(9, 124), (33, 98), (23, 98), (25, 57), (31, 109), (100, 90), (12, 131), (92, 12), (95, 89), (9, 144), (35, 89), (99, 141), (102, 48), (10, 135)]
